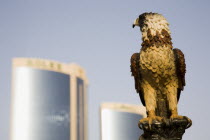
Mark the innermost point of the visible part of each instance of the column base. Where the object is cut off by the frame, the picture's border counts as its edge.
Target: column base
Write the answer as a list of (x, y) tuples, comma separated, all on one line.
[(165, 130)]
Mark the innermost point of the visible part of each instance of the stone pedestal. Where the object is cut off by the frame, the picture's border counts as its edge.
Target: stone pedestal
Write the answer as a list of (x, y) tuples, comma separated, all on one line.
[(166, 130)]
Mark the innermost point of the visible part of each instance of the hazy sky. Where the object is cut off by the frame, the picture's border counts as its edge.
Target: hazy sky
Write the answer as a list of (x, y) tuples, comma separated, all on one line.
[(98, 36)]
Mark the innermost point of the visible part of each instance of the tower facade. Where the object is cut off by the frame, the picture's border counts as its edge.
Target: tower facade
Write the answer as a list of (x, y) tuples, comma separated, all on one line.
[(48, 100), (120, 121)]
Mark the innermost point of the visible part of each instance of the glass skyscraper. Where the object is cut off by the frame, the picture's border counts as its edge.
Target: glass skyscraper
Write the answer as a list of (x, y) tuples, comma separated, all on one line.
[(120, 121), (48, 101)]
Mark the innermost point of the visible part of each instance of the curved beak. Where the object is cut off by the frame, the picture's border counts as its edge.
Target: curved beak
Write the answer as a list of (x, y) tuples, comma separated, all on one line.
[(136, 22)]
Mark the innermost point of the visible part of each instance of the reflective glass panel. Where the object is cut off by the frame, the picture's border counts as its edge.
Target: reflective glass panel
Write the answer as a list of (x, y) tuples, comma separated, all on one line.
[(80, 109), (41, 105), (117, 125)]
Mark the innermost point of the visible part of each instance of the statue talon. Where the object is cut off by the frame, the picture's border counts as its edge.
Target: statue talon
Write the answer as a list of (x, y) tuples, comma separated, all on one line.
[(174, 115), (152, 118)]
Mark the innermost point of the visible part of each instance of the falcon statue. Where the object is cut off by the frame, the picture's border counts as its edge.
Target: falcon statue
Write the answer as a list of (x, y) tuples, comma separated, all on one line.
[(158, 69)]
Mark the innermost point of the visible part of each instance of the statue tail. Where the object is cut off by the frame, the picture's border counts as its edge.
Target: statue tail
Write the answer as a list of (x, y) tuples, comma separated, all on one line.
[(162, 109)]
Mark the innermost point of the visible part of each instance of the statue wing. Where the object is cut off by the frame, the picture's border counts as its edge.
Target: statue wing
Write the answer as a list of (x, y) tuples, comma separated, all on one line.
[(135, 69), (180, 70)]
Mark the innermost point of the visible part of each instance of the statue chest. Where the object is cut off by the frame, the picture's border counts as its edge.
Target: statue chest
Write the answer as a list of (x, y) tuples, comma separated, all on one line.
[(157, 61)]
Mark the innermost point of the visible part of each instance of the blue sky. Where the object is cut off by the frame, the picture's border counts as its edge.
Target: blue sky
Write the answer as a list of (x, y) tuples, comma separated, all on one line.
[(98, 36)]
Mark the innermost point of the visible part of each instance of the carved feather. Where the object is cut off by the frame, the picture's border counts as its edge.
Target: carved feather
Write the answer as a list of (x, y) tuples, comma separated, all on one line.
[(180, 69), (135, 69)]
